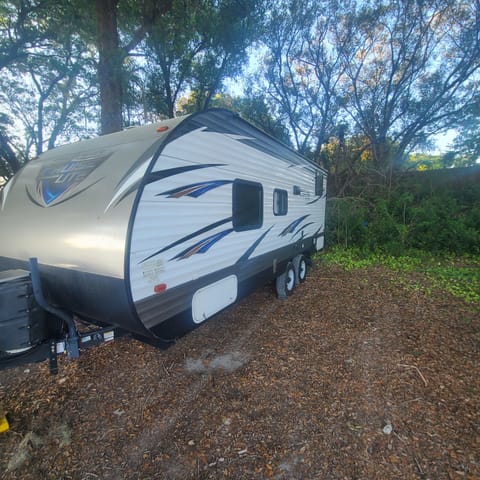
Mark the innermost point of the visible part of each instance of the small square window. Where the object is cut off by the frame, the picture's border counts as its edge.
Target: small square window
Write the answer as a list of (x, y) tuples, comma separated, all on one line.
[(280, 202), (247, 205)]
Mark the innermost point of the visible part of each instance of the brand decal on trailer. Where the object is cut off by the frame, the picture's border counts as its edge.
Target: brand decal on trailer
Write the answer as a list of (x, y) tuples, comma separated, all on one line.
[(194, 190), (202, 246), (59, 182)]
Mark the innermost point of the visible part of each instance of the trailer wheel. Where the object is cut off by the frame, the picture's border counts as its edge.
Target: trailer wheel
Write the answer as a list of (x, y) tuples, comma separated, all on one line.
[(285, 283), (301, 269)]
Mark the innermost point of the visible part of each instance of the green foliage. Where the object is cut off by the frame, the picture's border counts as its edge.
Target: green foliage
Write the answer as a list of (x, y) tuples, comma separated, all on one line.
[(423, 161), (420, 213), (459, 276), (441, 223), (195, 47), (346, 222), (9, 163), (47, 86), (457, 159)]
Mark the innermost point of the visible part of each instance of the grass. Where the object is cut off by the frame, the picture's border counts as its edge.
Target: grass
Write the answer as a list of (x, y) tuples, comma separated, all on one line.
[(459, 276)]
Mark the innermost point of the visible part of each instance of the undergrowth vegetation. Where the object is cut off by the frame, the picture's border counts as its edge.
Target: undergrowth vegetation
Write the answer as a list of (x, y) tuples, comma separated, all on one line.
[(438, 212), (425, 226), (417, 270)]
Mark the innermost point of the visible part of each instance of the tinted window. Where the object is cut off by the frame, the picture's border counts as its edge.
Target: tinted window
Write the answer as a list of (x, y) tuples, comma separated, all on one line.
[(319, 185), (247, 205), (280, 202)]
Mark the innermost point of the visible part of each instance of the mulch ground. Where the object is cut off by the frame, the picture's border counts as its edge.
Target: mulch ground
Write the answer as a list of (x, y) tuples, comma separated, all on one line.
[(353, 377)]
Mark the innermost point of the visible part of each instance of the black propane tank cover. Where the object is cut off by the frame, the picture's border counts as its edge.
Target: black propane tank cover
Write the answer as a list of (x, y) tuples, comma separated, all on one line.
[(22, 322)]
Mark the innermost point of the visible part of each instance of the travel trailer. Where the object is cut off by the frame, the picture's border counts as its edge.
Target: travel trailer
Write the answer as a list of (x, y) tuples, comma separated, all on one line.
[(151, 231)]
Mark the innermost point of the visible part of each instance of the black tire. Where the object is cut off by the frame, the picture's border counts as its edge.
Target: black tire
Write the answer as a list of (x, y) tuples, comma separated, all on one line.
[(301, 269), (285, 283)]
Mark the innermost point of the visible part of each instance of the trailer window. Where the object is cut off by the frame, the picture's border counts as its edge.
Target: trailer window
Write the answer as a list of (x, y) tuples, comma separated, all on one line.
[(280, 202), (247, 205), (319, 185)]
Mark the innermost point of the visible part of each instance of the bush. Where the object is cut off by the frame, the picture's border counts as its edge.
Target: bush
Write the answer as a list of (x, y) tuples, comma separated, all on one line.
[(442, 225), (446, 220)]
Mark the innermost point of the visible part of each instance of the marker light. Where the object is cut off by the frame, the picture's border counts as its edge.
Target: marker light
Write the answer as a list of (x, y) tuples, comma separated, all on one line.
[(161, 287)]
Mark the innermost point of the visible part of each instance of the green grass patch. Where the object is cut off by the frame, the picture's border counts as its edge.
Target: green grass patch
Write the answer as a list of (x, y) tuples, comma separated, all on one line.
[(459, 276)]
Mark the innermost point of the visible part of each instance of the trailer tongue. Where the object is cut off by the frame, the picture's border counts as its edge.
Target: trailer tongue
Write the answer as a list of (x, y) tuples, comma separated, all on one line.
[(31, 330)]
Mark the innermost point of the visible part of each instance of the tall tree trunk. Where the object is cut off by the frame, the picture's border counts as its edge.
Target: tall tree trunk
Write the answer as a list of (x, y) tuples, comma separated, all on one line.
[(109, 67)]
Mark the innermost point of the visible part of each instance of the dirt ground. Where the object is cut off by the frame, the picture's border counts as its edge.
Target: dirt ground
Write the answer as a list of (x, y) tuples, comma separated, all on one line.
[(353, 377)]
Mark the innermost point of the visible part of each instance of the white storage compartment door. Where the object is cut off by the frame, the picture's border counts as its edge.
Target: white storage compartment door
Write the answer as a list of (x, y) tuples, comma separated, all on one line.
[(214, 297)]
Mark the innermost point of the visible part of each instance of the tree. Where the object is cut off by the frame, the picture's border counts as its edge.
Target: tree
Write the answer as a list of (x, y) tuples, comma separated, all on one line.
[(112, 54), (51, 88), (110, 58), (410, 72), (196, 46), (25, 27), (22, 28), (9, 162), (173, 44), (233, 27), (467, 142), (302, 68), (49, 93)]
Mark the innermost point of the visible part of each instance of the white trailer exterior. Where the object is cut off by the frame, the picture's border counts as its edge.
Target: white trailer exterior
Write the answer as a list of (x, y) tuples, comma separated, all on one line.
[(157, 228)]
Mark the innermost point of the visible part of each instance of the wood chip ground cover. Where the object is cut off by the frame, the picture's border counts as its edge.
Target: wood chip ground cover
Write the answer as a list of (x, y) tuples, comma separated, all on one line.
[(353, 377)]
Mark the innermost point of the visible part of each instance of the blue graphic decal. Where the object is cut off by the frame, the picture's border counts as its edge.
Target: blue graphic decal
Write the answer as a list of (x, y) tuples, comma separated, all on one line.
[(171, 172), (301, 230), (254, 245), (194, 190), (319, 233), (189, 237), (202, 246), (52, 192), (313, 201), (293, 226)]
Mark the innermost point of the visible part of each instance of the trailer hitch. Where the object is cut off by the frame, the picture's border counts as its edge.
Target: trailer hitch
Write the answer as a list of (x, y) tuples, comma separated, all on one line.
[(72, 340)]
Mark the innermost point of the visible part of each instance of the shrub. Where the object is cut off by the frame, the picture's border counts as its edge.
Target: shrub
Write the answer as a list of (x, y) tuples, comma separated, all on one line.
[(441, 220)]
